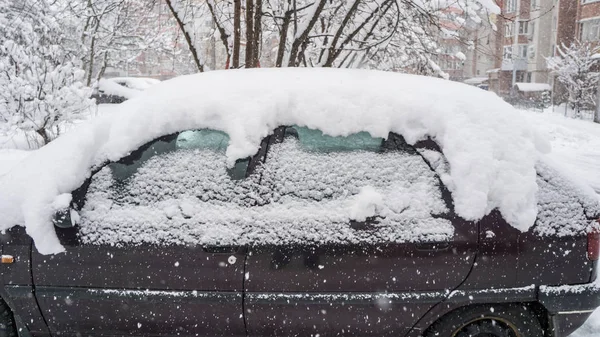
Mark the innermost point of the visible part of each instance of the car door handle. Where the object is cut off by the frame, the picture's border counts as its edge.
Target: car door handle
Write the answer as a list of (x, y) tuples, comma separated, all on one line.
[(433, 246)]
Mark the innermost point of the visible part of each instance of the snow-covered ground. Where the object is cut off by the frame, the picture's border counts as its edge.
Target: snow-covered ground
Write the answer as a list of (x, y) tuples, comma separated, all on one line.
[(575, 143), (591, 328)]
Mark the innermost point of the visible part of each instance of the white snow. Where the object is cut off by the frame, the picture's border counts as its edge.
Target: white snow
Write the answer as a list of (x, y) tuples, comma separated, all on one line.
[(531, 87), (367, 203), (564, 206), (491, 153), (575, 144), (137, 83), (475, 80), (112, 88), (591, 327), (9, 158), (128, 87), (490, 5)]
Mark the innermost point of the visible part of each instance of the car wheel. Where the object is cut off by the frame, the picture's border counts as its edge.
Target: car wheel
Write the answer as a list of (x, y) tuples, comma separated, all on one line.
[(488, 321), (7, 321)]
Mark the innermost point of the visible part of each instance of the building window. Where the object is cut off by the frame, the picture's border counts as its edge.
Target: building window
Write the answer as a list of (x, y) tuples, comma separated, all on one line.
[(522, 51), (511, 6), (523, 25), (533, 5), (531, 52), (507, 53), (531, 28), (590, 30), (588, 1), (508, 29)]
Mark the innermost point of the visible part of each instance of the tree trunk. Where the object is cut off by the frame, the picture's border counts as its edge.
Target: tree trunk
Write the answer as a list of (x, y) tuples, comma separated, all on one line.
[(44, 134), (187, 36), (92, 54), (249, 33), (88, 81), (282, 38), (257, 33), (334, 52), (223, 35), (237, 17), (597, 110), (103, 68), (304, 35)]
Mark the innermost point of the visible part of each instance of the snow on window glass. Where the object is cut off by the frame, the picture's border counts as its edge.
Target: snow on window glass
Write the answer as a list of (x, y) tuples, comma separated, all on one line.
[(312, 189), (299, 172), (563, 208)]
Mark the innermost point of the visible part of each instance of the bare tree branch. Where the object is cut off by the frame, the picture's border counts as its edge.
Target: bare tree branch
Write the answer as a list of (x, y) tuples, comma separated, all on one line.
[(187, 36)]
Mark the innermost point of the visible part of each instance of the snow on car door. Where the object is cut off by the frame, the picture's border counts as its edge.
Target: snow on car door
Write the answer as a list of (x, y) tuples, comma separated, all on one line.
[(361, 241), (153, 252)]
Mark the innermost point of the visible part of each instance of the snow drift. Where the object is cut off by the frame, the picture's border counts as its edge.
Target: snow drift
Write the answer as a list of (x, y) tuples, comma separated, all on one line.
[(490, 152)]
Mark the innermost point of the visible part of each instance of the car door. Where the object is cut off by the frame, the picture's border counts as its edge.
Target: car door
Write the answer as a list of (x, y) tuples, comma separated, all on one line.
[(364, 244), (152, 253)]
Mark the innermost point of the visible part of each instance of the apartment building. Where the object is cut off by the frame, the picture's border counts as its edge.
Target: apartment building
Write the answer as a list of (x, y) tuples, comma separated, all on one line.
[(532, 30), (482, 56), (588, 21), (467, 50)]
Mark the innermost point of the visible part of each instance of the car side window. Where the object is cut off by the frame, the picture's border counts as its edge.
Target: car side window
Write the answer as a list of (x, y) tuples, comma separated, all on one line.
[(356, 188), (172, 191)]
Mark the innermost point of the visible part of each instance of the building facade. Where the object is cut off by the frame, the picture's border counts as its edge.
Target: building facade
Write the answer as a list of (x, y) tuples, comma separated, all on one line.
[(532, 30)]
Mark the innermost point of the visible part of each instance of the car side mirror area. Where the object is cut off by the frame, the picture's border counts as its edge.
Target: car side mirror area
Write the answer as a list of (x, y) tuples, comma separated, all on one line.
[(65, 218)]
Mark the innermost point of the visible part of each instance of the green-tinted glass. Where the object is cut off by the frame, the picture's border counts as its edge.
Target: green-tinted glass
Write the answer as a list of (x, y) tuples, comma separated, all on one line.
[(315, 140), (203, 139)]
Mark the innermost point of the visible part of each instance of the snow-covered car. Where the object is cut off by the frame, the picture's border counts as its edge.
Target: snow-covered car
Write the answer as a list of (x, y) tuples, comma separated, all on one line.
[(298, 202), (120, 89)]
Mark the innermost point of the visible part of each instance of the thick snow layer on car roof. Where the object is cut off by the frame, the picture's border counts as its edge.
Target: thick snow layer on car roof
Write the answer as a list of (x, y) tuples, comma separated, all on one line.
[(491, 153)]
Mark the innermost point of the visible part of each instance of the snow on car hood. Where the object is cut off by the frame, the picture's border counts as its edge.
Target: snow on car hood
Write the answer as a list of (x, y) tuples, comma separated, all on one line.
[(490, 151)]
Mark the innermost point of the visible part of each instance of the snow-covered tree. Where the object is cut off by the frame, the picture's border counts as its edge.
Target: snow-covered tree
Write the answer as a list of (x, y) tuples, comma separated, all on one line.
[(382, 34), (40, 79), (114, 33), (575, 68)]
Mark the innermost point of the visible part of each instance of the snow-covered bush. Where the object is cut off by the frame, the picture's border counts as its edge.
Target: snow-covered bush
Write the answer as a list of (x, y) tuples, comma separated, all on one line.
[(40, 81)]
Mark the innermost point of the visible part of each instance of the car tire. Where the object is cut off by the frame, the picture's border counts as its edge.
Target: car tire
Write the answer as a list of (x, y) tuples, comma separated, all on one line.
[(488, 320), (8, 327)]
